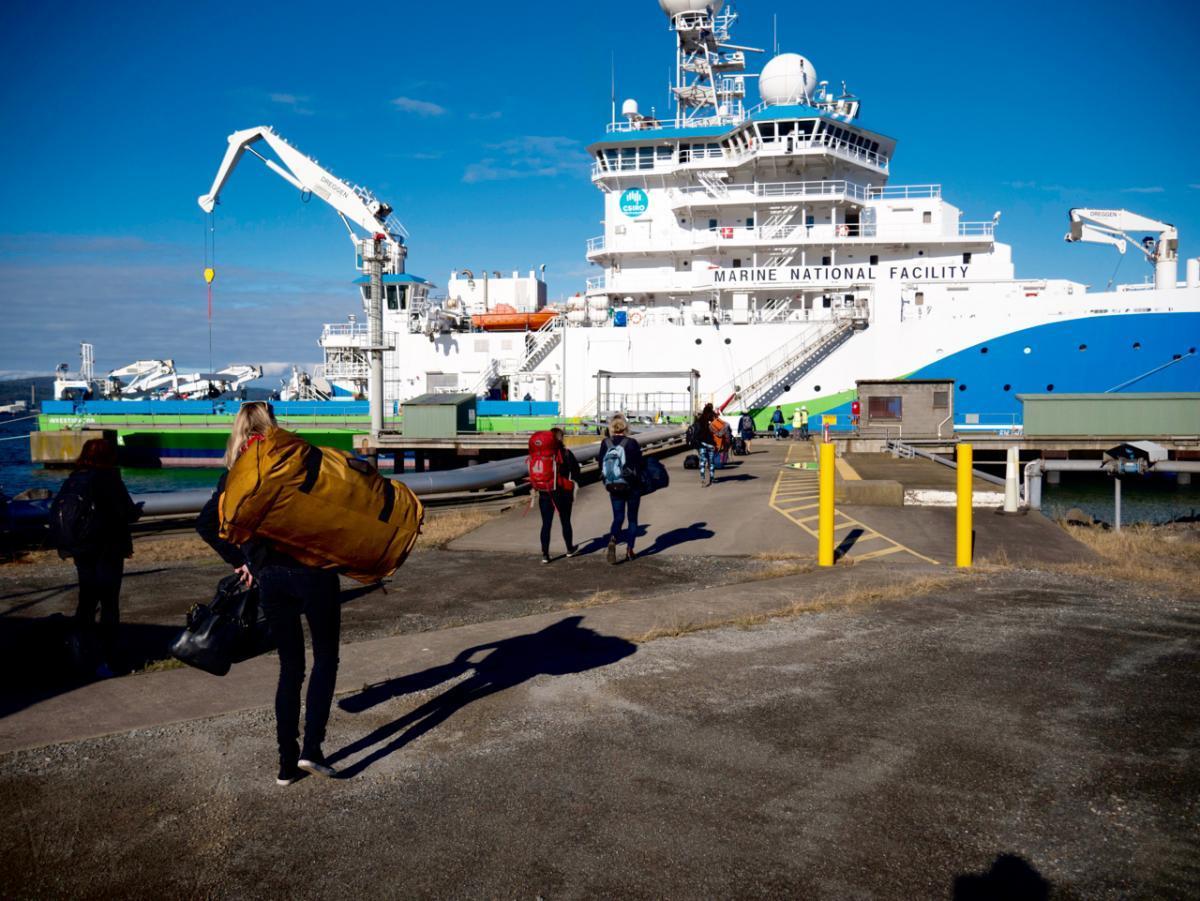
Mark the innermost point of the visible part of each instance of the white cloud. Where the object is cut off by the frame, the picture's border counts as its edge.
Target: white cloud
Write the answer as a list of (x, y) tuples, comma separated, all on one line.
[(1154, 189), (297, 103), (1194, 187), (7, 375), (486, 117), (529, 156), (419, 107)]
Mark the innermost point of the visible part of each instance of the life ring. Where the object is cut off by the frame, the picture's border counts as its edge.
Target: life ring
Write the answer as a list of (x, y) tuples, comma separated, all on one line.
[(727, 233), (635, 318)]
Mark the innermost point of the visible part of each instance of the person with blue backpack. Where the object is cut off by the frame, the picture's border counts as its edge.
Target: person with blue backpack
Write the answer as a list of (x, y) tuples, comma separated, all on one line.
[(621, 469)]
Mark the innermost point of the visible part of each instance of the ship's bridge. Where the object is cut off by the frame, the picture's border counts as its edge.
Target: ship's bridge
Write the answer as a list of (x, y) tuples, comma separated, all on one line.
[(784, 133)]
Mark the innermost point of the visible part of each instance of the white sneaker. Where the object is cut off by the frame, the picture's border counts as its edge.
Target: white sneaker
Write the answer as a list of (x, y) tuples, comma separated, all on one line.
[(317, 766)]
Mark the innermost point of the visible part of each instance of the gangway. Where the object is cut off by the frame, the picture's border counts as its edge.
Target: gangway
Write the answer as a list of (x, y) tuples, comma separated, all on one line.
[(764, 381)]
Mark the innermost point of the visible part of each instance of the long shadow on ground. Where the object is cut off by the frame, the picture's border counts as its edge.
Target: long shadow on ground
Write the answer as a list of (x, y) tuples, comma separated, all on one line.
[(557, 650)]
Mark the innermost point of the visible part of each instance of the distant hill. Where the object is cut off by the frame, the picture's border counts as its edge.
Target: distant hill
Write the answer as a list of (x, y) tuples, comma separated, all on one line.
[(18, 389), (43, 389)]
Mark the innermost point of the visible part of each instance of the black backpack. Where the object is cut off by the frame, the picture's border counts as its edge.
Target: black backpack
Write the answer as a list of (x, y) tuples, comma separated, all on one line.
[(74, 521), (692, 437)]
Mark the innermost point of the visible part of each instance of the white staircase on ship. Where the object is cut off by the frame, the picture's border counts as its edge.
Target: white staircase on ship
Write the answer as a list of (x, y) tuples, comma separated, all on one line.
[(764, 381), (538, 345)]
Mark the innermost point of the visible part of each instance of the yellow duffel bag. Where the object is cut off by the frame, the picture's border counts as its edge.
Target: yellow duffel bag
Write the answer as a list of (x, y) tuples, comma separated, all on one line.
[(320, 506)]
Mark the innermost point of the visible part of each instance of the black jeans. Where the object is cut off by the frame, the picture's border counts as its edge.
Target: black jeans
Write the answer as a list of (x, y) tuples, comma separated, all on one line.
[(100, 577), (548, 502), (620, 506), (286, 593)]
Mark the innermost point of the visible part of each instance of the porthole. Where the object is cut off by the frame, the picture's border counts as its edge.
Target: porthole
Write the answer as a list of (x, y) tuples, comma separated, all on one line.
[(983, 350), (816, 387), (787, 388), (1008, 387), (1028, 350), (1191, 350), (1050, 387), (1177, 357), (1083, 347), (727, 341), (1137, 345), (698, 341), (962, 387)]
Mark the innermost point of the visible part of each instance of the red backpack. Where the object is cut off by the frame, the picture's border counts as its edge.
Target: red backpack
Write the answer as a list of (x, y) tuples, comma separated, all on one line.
[(543, 461)]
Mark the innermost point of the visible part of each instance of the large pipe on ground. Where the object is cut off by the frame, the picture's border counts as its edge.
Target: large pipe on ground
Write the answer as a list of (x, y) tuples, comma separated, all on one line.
[(423, 484)]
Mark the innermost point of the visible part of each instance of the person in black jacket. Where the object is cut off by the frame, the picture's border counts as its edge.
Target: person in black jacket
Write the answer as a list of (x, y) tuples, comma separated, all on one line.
[(287, 589), (562, 498), (625, 493), (98, 538)]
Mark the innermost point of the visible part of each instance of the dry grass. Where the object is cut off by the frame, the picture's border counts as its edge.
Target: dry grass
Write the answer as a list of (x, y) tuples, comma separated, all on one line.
[(597, 599), (441, 528), (1162, 559), (848, 596), (161, 666), (778, 555)]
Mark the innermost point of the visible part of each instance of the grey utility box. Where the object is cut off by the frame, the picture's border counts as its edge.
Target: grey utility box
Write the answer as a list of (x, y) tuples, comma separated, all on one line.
[(438, 415)]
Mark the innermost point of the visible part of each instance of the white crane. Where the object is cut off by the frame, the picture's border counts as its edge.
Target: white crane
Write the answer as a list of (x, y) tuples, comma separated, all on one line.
[(356, 205), (1114, 227)]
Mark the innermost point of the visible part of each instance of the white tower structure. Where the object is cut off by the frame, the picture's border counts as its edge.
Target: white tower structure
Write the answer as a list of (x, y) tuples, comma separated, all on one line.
[(709, 84)]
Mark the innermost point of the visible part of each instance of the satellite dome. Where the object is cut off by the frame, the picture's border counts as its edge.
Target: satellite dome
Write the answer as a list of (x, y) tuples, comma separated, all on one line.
[(674, 7), (788, 78)]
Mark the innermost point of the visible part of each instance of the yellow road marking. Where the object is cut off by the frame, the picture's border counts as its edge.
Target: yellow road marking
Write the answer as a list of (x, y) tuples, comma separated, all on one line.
[(793, 485)]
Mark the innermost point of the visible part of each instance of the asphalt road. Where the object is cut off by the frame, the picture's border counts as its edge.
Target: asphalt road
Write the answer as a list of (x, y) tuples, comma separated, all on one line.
[(1031, 731)]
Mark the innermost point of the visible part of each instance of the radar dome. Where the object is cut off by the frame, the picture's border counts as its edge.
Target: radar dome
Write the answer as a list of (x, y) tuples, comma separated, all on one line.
[(788, 78), (674, 7)]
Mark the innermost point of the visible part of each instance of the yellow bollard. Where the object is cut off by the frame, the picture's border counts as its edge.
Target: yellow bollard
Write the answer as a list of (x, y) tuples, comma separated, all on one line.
[(825, 508), (965, 478)]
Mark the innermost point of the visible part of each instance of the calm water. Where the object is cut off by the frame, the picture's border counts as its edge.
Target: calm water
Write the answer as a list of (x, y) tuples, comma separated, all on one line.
[(1154, 499)]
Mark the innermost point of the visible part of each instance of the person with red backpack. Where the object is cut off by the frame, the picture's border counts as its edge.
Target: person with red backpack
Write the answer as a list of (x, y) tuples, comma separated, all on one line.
[(553, 473)]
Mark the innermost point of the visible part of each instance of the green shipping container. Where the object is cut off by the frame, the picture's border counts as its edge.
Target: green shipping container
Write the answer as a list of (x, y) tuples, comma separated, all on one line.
[(1111, 415)]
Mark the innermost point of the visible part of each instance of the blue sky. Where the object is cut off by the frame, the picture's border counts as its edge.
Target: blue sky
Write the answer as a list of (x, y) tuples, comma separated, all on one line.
[(471, 121)]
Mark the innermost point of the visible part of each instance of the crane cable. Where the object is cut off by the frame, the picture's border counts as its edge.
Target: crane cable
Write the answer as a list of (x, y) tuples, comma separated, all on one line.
[(210, 260)]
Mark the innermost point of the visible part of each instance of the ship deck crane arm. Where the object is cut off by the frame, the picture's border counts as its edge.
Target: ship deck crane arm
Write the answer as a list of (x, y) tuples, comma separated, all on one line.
[(354, 204), (1114, 227)]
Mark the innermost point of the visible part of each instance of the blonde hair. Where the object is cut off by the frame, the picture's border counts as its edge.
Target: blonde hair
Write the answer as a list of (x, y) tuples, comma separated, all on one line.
[(255, 418), (618, 425)]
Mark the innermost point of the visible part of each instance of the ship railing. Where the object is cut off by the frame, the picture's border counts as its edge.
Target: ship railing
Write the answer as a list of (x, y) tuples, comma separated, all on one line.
[(596, 283), (977, 229), (595, 244), (345, 329), (903, 192)]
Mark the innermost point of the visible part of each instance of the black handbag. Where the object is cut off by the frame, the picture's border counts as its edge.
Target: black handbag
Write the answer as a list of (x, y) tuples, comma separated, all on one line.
[(654, 475), (230, 629)]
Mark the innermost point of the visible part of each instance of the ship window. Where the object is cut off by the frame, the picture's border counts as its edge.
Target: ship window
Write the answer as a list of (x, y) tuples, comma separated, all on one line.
[(749, 222), (919, 298), (1050, 387), (962, 387), (805, 128), (941, 400), (786, 128), (737, 262), (885, 407), (966, 258), (645, 157), (874, 146), (767, 130), (712, 223), (392, 302), (1137, 345), (827, 301), (1008, 387), (874, 259), (663, 153), (824, 261), (366, 290), (927, 217)]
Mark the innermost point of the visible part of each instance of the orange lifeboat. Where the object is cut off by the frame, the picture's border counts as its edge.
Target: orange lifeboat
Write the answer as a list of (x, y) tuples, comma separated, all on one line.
[(504, 318)]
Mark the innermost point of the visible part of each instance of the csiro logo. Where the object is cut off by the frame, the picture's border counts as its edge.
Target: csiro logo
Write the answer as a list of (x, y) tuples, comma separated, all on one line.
[(634, 202)]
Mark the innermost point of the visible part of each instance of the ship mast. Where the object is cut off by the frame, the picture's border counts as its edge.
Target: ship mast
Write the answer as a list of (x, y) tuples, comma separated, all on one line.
[(709, 80)]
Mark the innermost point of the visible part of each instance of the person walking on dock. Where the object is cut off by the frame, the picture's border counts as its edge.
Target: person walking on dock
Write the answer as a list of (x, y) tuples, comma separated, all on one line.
[(621, 469), (287, 590), (746, 430), (553, 474), (706, 443), (777, 422), (800, 423), (89, 521)]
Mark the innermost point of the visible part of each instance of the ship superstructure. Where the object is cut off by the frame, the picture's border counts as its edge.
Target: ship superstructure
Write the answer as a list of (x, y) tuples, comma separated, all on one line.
[(766, 247)]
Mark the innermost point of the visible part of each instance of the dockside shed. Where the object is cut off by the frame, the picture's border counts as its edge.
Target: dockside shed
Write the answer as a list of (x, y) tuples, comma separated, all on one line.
[(438, 415)]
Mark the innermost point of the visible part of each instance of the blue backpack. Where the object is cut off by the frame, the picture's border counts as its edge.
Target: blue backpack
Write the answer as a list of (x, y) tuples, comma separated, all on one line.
[(613, 468)]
